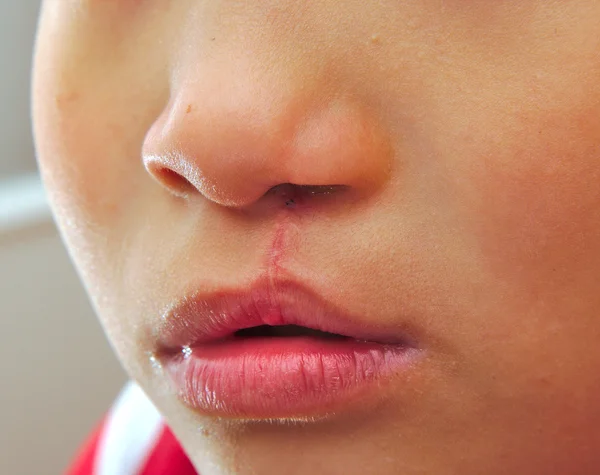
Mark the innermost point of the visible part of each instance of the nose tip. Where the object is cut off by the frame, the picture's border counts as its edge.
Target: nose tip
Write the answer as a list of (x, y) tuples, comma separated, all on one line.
[(233, 159)]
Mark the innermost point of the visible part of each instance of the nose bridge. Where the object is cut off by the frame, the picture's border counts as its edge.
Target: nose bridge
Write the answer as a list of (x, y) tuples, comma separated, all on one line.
[(234, 132)]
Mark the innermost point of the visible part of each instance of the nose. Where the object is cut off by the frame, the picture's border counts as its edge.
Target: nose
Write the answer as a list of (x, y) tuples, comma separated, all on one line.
[(232, 138)]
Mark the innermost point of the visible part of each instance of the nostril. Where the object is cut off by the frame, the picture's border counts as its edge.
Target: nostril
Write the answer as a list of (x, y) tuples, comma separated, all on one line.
[(292, 196), (175, 182)]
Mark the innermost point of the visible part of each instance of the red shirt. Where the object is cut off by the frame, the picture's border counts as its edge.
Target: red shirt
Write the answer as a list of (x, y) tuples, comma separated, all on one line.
[(132, 440)]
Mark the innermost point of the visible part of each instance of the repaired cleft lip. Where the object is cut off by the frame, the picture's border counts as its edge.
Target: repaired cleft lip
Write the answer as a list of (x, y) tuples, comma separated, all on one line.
[(275, 350), (208, 317)]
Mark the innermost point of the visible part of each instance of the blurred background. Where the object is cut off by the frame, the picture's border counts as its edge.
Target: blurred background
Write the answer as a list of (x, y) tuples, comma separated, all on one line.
[(58, 375)]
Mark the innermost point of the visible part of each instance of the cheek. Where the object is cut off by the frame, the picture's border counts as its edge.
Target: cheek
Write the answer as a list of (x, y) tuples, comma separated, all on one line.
[(88, 167), (97, 187), (94, 98), (531, 204), (89, 143), (537, 207), (89, 152), (534, 214), (521, 182)]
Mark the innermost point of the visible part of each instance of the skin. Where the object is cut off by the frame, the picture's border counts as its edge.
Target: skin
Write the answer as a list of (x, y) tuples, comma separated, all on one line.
[(467, 135)]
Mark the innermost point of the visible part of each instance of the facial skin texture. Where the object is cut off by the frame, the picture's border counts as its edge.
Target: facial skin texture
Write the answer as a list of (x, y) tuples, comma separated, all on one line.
[(467, 134)]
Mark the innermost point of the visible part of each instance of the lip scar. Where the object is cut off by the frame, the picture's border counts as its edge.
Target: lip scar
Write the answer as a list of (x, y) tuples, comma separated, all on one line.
[(277, 248)]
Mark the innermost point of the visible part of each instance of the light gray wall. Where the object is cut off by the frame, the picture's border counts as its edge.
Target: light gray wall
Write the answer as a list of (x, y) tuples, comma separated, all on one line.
[(58, 375), (18, 19)]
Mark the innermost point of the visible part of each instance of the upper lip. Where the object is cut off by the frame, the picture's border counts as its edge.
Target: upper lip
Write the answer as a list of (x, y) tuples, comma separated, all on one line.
[(207, 317)]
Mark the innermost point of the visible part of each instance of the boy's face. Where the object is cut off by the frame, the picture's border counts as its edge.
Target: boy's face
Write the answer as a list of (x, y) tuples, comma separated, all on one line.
[(463, 137)]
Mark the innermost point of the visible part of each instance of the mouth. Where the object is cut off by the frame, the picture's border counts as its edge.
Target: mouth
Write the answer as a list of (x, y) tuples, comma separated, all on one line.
[(286, 331), (275, 351)]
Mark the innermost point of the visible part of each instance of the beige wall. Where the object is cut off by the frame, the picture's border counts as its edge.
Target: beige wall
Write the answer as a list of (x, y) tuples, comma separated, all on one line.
[(57, 372)]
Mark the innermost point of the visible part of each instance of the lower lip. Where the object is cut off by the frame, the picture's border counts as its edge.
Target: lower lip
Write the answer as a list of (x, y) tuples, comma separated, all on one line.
[(282, 377)]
